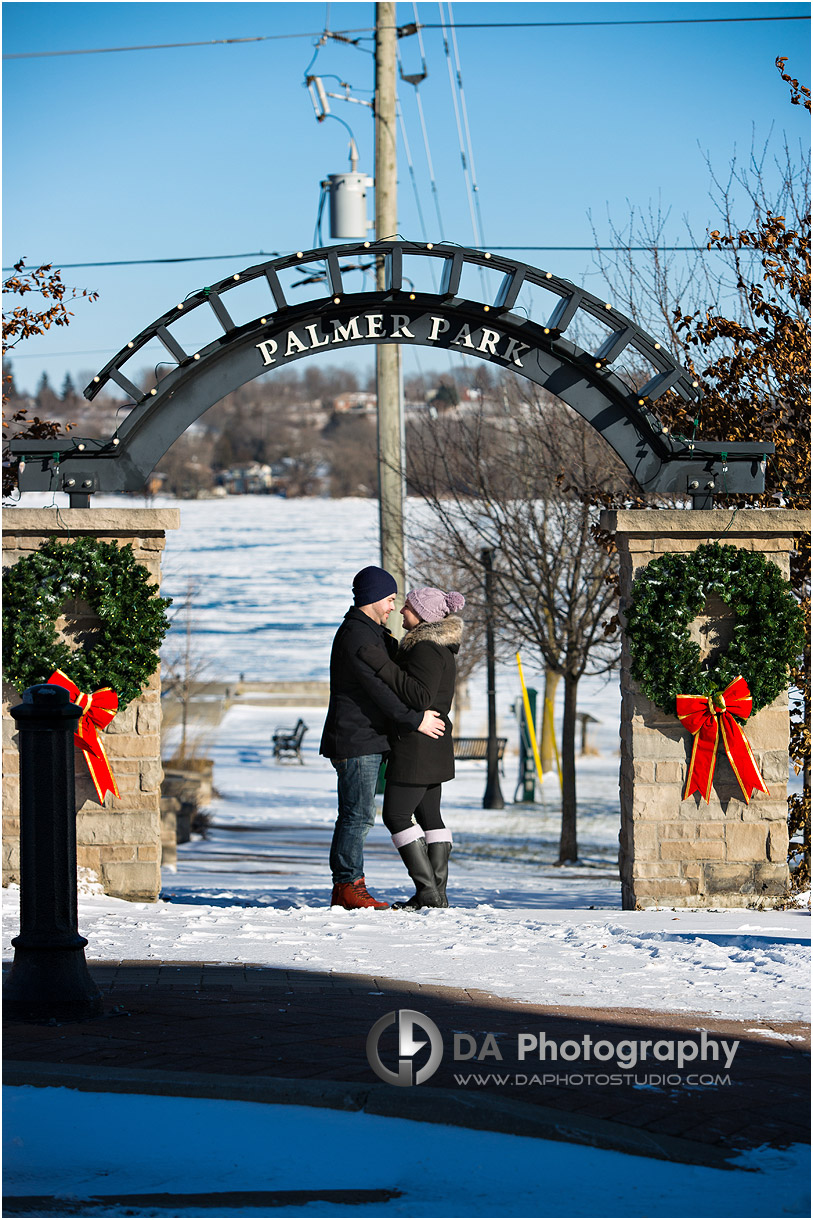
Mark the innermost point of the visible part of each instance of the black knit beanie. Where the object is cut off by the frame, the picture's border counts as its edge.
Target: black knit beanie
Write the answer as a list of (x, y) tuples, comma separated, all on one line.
[(372, 585)]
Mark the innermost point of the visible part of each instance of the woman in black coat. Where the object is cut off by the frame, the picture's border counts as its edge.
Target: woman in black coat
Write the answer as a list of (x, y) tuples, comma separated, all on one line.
[(423, 675)]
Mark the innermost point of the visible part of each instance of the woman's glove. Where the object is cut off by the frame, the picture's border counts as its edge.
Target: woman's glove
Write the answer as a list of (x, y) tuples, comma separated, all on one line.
[(374, 655)]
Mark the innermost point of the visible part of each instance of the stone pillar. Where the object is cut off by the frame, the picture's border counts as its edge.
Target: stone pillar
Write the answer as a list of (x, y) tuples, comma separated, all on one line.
[(121, 839), (678, 853)]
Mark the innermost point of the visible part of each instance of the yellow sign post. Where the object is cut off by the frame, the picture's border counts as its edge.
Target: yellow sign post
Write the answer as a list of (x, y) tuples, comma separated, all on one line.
[(549, 713), (530, 721)]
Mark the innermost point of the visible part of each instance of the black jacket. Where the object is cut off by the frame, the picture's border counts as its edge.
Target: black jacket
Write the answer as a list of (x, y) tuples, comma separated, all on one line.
[(363, 711), (423, 674)]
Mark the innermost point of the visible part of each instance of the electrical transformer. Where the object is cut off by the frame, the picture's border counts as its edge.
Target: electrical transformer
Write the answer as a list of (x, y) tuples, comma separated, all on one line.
[(347, 194)]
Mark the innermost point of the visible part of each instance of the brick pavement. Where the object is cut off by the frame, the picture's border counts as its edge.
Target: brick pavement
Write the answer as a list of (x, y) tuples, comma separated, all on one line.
[(299, 1037)]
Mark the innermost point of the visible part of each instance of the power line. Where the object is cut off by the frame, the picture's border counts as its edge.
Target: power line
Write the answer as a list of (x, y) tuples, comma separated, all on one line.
[(153, 262), (205, 258), (595, 249), (410, 166), (170, 46), (458, 103), (464, 112), (415, 82), (367, 31), (15, 355), (534, 25)]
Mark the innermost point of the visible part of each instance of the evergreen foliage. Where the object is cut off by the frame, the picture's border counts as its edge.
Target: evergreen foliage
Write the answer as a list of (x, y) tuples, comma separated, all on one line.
[(133, 619), (672, 591)]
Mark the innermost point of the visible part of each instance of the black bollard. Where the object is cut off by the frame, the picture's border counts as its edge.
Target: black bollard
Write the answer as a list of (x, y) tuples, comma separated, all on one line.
[(49, 978)]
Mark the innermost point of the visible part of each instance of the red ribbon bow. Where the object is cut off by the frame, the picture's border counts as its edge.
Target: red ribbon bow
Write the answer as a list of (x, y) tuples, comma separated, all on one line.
[(708, 718), (98, 710)]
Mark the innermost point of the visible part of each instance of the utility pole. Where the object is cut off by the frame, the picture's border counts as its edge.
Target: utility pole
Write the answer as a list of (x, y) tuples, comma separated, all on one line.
[(389, 386)]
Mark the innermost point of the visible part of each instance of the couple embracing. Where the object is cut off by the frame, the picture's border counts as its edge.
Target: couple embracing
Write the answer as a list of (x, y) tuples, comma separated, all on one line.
[(391, 701)]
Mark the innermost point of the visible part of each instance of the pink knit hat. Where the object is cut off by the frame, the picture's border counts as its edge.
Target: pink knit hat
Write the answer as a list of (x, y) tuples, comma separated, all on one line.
[(431, 605)]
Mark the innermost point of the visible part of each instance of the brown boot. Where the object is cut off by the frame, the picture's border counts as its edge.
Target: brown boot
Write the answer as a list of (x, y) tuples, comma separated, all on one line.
[(353, 895)]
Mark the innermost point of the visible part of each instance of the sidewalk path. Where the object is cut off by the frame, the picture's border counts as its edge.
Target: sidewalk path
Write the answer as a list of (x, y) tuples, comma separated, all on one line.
[(299, 1037)]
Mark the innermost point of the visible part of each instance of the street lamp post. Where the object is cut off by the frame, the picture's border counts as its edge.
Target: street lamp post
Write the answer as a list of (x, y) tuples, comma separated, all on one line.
[(492, 798)]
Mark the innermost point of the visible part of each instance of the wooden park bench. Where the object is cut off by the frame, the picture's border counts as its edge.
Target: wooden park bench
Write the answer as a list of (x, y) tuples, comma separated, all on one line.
[(287, 743), (467, 748)]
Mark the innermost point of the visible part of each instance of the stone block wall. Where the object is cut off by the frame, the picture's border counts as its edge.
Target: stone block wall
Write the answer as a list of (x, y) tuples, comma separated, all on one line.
[(121, 839), (688, 853)]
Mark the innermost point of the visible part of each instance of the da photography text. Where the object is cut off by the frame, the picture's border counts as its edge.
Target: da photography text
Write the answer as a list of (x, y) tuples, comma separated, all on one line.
[(406, 1048), (627, 1052)]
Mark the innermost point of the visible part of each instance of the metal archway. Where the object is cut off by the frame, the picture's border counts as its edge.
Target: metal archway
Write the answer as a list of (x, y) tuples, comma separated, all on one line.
[(493, 330)]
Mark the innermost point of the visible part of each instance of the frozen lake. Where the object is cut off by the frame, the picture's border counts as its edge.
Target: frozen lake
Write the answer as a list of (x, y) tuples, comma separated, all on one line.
[(273, 579)]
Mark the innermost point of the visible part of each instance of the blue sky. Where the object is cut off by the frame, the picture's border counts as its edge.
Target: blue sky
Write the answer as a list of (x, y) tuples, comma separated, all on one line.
[(215, 150)]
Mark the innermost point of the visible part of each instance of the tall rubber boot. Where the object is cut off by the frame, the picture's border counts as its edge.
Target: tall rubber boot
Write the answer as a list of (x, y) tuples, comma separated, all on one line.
[(416, 859), (438, 854)]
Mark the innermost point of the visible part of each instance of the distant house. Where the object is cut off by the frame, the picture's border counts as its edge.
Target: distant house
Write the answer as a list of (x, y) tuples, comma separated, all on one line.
[(358, 402), (249, 479)]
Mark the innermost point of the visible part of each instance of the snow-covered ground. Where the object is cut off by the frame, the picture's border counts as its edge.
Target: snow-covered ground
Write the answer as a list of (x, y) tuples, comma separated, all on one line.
[(256, 890), (275, 579), (440, 1171)]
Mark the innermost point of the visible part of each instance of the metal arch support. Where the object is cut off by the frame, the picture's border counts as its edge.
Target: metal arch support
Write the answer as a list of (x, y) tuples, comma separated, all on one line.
[(491, 329)]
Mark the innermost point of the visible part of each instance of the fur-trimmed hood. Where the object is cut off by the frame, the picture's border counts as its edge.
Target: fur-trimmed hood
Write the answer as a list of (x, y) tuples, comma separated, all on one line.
[(448, 631)]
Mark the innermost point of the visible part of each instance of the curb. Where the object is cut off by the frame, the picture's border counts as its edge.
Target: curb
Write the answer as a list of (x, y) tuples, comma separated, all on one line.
[(418, 1104)]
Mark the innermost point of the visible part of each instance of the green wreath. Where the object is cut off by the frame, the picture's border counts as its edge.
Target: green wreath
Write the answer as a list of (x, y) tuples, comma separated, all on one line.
[(672, 591), (133, 619)]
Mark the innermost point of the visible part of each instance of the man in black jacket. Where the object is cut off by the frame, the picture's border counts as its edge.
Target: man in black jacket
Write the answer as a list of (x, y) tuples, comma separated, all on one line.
[(361, 714)]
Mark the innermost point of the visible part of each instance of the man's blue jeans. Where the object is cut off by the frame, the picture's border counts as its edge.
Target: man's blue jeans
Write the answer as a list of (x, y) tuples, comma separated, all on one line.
[(356, 789)]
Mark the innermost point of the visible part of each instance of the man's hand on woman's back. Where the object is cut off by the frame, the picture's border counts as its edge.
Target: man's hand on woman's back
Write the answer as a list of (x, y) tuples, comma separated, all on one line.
[(432, 725)]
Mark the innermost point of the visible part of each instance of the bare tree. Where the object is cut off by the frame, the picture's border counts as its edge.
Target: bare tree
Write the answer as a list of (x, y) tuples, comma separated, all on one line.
[(523, 479), (739, 317), (21, 321), (184, 667), (187, 465), (653, 284), (351, 448)]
